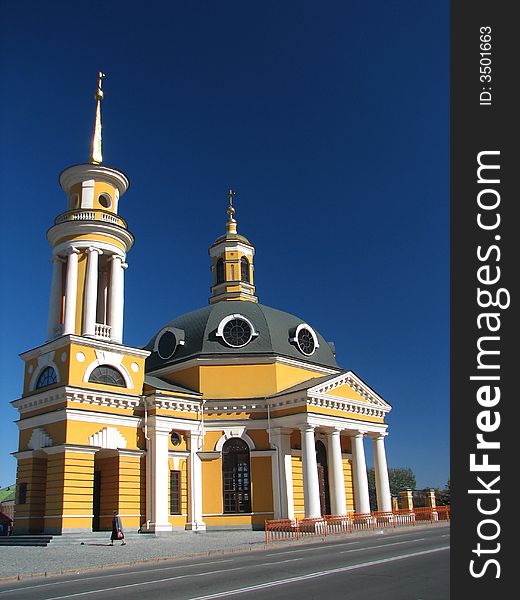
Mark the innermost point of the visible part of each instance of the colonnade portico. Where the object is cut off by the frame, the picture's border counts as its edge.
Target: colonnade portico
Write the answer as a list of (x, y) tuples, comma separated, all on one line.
[(284, 508), (100, 290)]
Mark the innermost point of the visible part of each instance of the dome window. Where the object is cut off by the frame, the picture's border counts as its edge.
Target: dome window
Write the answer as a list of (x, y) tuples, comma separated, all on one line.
[(167, 344), (305, 339), (105, 200), (236, 331), (168, 341)]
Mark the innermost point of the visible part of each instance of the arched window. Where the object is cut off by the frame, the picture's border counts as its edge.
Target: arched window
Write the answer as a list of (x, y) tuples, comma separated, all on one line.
[(47, 377), (235, 476), (220, 271), (244, 270), (107, 375)]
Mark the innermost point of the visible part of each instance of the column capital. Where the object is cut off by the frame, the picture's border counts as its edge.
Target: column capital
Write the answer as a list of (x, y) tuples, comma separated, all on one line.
[(114, 256), (359, 434), (335, 431), (56, 258), (93, 249), (307, 427), (380, 435), (72, 250)]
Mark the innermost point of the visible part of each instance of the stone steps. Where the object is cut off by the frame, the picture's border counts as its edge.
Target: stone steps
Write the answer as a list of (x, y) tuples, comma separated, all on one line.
[(25, 540)]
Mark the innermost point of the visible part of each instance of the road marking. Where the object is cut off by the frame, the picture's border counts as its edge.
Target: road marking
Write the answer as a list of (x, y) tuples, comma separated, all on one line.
[(251, 588), (262, 586), (39, 585), (383, 545), (328, 547)]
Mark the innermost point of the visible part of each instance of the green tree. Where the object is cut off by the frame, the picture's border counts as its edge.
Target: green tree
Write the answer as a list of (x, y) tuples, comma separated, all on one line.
[(399, 478)]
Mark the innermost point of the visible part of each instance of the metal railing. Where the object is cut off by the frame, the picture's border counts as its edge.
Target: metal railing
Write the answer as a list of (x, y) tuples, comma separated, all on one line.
[(296, 529)]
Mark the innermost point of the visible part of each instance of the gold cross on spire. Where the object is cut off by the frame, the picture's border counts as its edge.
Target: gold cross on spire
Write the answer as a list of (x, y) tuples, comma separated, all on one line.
[(231, 209), (96, 155)]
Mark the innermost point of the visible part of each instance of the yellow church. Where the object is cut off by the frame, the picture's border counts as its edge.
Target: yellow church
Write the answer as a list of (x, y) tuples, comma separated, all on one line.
[(231, 415)]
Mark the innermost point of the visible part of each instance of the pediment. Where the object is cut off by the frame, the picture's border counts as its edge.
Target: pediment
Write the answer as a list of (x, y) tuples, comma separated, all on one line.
[(348, 386)]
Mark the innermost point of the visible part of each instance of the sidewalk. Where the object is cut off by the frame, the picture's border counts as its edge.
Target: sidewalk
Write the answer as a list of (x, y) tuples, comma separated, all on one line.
[(69, 555), (63, 555)]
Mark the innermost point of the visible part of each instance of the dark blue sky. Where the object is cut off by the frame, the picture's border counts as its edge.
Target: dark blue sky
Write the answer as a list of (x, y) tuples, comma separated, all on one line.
[(331, 122)]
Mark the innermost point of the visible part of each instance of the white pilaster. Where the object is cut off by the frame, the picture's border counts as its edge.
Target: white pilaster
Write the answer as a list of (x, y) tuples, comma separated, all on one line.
[(359, 467), (195, 522), (55, 296), (283, 499), (311, 491), (384, 498), (71, 292), (157, 477), (91, 291), (336, 477), (116, 298)]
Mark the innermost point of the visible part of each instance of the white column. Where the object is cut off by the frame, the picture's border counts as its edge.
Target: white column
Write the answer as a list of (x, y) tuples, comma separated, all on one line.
[(311, 490), (283, 497), (116, 298), (336, 477), (384, 498), (71, 292), (55, 297), (157, 478), (195, 522), (91, 290), (359, 467)]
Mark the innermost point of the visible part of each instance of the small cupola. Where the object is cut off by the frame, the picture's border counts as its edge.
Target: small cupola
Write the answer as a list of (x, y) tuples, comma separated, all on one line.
[(232, 263)]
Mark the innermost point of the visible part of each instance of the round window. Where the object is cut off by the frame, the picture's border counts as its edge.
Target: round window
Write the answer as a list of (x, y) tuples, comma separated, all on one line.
[(167, 344), (105, 200), (175, 438), (237, 333), (306, 341)]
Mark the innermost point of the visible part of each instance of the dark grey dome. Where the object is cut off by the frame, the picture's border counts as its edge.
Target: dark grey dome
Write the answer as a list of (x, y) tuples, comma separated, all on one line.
[(198, 334)]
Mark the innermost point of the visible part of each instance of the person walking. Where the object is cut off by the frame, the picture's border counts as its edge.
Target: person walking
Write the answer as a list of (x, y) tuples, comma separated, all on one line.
[(117, 530)]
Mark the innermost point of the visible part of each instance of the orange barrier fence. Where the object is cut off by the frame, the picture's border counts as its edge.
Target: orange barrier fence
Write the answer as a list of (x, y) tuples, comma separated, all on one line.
[(295, 529)]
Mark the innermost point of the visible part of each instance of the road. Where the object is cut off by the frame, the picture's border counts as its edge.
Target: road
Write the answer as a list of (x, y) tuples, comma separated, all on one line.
[(396, 565)]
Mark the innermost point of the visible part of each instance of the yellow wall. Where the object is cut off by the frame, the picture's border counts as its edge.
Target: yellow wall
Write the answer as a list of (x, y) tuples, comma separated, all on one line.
[(346, 392), (29, 516), (261, 485), (212, 480), (297, 474), (349, 490)]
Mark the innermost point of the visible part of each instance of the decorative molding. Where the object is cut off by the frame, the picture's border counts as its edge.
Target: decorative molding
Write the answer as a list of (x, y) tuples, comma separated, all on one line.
[(109, 437), (355, 384), (172, 403), (40, 439), (234, 432)]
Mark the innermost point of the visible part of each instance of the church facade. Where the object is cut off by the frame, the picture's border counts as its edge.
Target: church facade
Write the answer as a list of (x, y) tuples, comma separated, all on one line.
[(231, 414)]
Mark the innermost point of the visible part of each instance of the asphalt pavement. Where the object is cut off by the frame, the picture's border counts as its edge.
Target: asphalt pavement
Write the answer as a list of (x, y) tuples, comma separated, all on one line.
[(402, 564)]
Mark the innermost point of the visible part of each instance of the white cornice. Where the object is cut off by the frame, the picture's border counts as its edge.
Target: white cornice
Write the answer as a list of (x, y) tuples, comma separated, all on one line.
[(72, 394), (86, 171), (354, 383), (76, 228), (83, 341), (244, 360), (227, 245)]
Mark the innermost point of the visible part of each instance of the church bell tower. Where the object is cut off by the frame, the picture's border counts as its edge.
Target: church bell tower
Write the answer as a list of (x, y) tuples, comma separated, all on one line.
[(89, 246), (232, 263), (81, 403)]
